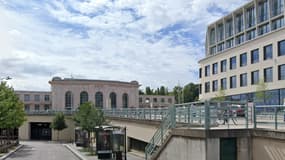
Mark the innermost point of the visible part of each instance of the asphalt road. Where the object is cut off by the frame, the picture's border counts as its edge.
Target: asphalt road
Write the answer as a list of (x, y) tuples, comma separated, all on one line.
[(34, 150)]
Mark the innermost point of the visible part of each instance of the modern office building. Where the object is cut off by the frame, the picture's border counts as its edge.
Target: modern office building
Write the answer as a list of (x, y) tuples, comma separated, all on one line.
[(244, 48)]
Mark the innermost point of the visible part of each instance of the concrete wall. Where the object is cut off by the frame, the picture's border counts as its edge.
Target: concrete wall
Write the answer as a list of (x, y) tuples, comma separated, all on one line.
[(268, 149), (136, 130), (65, 135), (181, 148)]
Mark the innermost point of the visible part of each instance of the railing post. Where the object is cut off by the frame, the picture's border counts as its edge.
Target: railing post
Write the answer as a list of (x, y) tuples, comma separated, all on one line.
[(246, 114), (254, 116), (275, 118), (207, 115), (173, 116), (189, 114)]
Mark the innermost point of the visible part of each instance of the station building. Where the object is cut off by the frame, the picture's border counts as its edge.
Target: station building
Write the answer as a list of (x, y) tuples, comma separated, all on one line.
[(68, 93), (244, 48)]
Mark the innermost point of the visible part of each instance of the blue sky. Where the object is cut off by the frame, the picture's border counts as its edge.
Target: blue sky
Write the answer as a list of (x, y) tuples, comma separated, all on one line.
[(156, 42)]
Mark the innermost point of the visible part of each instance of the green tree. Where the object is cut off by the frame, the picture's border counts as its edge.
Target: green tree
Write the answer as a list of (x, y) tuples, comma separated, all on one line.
[(141, 92), (12, 114), (221, 96), (177, 93), (162, 91), (88, 117), (260, 92), (58, 123), (148, 91), (191, 92)]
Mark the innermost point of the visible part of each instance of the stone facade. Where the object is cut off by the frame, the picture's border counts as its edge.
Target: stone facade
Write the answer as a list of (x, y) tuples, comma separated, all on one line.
[(155, 101), (35, 100), (60, 87)]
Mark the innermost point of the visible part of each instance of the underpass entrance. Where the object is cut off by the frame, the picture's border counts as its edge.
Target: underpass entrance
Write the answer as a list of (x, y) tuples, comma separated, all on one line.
[(40, 131)]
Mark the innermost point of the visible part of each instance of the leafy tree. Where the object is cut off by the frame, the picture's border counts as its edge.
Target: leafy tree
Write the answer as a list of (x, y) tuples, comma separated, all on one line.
[(191, 92), (58, 123), (162, 91), (260, 92), (177, 93), (88, 117), (141, 92), (12, 114), (148, 91), (221, 96)]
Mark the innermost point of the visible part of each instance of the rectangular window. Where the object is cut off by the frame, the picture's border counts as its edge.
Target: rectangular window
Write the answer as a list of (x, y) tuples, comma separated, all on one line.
[(229, 28), (263, 11), (220, 47), (263, 29), (37, 98), (278, 23), (162, 100), (250, 17), (281, 48), (233, 82), (200, 72), (254, 77), (267, 52), (239, 23), (26, 97), (207, 87), (224, 65), (239, 39), (212, 36), (277, 7), (254, 56), (268, 74), (243, 80), (215, 86), (207, 71), (233, 62), (230, 43), (200, 88), (220, 30), (27, 107), (37, 107), (46, 107), (224, 83), (250, 34), (155, 100), (215, 68), (281, 72), (213, 50), (47, 98), (140, 100), (243, 59)]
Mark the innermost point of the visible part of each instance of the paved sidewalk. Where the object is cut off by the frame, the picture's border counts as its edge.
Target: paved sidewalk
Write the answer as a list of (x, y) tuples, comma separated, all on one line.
[(83, 156)]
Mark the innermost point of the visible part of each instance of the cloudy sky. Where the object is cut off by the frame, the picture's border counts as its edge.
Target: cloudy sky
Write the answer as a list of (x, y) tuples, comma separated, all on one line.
[(156, 42)]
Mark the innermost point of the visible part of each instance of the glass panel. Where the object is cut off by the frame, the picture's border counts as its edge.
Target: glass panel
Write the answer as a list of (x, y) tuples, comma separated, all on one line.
[(281, 48), (224, 65), (229, 28), (250, 17), (215, 86), (212, 36), (278, 23), (239, 23), (268, 75), (233, 62), (263, 29), (255, 77), (220, 32), (263, 11), (254, 56), (215, 68), (277, 7), (224, 83), (281, 72), (233, 82), (267, 53), (243, 59)]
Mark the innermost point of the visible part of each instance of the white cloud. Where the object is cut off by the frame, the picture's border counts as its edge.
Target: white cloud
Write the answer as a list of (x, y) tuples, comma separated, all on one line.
[(118, 42)]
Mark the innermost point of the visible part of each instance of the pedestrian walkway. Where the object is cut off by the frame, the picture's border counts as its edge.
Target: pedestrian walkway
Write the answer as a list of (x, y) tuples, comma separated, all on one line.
[(76, 150), (35, 150)]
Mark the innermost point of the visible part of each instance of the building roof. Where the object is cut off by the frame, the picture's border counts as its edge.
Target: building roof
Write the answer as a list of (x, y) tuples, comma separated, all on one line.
[(71, 80)]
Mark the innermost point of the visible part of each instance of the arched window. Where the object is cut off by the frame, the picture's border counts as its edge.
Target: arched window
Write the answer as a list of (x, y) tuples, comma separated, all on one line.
[(83, 97), (125, 100), (99, 99), (68, 100), (113, 99)]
